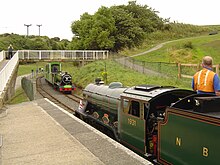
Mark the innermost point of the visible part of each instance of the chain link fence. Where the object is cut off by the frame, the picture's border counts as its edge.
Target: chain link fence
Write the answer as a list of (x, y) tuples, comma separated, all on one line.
[(163, 69)]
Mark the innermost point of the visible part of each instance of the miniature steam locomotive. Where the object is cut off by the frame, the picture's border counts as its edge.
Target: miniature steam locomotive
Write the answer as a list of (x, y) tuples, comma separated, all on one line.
[(166, 125), (61, 81)]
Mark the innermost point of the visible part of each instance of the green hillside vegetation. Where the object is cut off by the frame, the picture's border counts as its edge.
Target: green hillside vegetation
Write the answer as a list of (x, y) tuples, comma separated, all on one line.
[(177, 31), (189, 50), (21, 42), (84, 75), (115, 72)]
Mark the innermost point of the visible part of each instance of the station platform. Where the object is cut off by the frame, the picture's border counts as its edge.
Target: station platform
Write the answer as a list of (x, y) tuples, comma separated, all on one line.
[(42, 133)]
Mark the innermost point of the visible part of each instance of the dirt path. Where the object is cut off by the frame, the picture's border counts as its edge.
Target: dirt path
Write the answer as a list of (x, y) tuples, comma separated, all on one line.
[(128, 62)]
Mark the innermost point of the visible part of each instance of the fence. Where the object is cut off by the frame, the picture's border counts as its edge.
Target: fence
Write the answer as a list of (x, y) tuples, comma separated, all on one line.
[(174, 70), (2, 55), (162, 69), (188, 70), (63, 54), (7, 71)]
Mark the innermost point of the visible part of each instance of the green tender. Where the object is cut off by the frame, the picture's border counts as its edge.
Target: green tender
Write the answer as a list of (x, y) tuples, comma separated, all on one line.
[(189, 138)]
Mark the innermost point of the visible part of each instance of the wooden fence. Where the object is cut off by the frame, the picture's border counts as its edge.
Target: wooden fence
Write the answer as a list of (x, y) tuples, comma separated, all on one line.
[(197, 66)]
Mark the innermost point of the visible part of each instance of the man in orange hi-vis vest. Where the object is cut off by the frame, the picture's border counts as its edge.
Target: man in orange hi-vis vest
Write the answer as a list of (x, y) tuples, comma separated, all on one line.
[(206, 81)]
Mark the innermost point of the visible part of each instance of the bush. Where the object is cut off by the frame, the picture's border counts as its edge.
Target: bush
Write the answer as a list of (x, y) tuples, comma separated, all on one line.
[(188, 45)]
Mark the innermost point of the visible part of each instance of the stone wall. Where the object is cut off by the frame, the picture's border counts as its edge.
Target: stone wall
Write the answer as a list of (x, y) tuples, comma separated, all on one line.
[(29, 86)]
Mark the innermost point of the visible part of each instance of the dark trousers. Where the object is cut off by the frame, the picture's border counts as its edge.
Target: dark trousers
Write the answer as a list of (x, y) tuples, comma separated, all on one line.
[(10, 55)]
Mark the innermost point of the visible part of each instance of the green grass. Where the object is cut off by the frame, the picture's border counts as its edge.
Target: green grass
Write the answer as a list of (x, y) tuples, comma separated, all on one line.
[(176, 51), (115, 72), (82, 76), (19, 97), (27, 68)]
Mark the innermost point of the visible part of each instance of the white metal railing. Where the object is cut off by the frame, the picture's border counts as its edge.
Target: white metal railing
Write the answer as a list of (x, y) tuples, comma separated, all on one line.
[(63, 54), (2, 56), (7, 71)]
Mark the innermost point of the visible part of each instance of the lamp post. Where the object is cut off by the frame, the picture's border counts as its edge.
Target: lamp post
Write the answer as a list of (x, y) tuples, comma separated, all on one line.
[(39, 28), (27, 25)]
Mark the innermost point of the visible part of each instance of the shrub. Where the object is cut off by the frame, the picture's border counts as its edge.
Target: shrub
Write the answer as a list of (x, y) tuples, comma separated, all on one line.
[(188, 45)]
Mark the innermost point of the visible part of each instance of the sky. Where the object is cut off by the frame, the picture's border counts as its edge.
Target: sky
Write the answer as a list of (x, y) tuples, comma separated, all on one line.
[(56, 16)]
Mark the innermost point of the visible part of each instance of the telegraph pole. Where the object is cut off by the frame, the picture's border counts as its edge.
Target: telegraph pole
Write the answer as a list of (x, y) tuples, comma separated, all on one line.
[(27, 25), (39, 28)]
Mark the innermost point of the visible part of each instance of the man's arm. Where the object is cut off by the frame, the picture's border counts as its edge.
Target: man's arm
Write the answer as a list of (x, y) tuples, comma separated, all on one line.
[(193, 83), (216, 85)]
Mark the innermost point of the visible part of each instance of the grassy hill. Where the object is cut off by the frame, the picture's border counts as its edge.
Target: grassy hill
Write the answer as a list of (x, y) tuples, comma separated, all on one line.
[(188, 50)]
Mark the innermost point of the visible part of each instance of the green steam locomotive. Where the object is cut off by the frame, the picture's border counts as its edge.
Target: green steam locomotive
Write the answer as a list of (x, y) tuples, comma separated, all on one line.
[(61, 81), (167, 125)]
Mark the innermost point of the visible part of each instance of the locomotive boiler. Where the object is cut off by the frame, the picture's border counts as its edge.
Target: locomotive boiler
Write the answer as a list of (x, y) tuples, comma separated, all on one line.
[(167, 125)]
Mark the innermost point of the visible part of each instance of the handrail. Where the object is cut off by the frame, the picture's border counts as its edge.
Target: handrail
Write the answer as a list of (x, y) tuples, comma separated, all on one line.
[(63, 54), (2, 56), (7, 71)]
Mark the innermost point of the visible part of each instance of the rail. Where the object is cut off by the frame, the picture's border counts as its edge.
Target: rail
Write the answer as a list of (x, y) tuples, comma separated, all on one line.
[(2, 57), (62, 54), (7, 71)]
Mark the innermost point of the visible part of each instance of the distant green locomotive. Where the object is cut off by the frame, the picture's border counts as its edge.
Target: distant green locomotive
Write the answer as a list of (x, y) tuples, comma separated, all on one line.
[(60, 80), (165, 124)]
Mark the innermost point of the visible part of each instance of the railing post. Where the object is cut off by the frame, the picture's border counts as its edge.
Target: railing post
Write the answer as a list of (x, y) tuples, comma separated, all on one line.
[(107, 54), (217, 69), (93, 56), (86, 55), (179, 71), (23, 54), (40, 55), (28, 54), (198, 67)]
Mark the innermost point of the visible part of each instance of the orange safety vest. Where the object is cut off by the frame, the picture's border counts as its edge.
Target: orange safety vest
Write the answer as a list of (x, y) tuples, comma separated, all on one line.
[(203, 80)]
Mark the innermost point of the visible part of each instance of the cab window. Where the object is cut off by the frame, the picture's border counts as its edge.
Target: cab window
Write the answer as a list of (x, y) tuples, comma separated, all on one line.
[(134, 108)]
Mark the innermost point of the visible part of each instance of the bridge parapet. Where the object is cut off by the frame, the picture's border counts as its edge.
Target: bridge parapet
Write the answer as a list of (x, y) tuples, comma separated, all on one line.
[(2, 56), (7, 79), (63, 54)]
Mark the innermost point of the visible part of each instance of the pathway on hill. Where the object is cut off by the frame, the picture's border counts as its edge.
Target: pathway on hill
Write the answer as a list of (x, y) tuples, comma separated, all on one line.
[(151, 50), (126, 61)]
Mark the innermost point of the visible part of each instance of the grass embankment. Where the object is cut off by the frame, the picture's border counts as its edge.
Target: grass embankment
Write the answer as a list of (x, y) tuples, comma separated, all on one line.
[(189, 50), (25, 69), (19, 97), (115, 72), (175, 32)]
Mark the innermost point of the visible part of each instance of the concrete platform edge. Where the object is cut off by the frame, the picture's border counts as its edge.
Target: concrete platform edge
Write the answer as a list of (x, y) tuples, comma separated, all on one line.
[(115, 143)]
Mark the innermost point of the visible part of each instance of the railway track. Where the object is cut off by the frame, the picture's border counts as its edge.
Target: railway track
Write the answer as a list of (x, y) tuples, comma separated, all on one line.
[(67, 102)]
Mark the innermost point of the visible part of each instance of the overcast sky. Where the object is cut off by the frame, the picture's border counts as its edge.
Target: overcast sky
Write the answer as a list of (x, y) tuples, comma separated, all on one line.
[(56, 16)]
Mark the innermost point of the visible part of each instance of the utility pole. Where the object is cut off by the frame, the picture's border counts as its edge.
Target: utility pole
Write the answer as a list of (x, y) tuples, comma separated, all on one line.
[(27, 28), (39, 28)]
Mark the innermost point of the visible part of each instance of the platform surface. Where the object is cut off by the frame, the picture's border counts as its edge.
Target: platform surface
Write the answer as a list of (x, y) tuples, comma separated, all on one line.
[(39, 132)]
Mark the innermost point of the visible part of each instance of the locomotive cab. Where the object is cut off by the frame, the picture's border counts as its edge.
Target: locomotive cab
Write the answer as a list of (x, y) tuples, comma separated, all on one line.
[(141, 109)]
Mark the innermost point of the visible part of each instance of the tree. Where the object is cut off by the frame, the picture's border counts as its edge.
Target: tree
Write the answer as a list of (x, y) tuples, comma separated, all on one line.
[(128, 33), (116, 27), (94, 32), (145, 16)]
